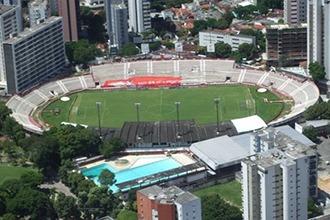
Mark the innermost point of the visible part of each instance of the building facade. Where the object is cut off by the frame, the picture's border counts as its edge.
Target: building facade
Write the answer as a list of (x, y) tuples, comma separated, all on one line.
[(286, 45), (212, 37), (139, 16), (35, 56), (295, 12), (278, 181), (117, 24), (69, 10), (172, 203), (11, 24), (319, 33), (39, 11)]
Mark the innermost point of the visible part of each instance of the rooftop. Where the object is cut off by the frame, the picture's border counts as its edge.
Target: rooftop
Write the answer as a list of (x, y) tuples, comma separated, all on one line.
[(29, 31), (168, 195), (5, 8)]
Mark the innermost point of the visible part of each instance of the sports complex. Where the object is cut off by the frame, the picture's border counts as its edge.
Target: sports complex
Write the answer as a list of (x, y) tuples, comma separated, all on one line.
[(200, 82), (203, 107)]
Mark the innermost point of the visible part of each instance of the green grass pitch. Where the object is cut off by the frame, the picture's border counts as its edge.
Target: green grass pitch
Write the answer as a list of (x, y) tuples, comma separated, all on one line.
[(8, 172), (158, 105)]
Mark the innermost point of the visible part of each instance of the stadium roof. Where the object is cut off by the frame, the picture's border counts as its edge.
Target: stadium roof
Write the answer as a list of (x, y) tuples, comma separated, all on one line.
[(247, 124), (166, 132), (219, 152)]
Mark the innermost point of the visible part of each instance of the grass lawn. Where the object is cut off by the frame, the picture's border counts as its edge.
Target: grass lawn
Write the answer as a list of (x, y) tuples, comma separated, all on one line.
[(158, 105), (230, 192), (127, 215), (11, 172)]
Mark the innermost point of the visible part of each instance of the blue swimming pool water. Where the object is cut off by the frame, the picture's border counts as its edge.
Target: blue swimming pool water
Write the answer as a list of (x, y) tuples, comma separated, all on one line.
[(133, 173)]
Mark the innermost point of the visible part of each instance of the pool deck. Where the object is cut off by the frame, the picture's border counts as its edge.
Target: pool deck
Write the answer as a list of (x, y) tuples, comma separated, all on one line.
[(139, 160)]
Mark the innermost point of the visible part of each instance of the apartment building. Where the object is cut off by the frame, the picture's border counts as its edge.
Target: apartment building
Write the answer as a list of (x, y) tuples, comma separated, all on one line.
[(212, 37), (170, 203), (34, 56), (69, 10), (117, 23), (286, 45), (319, 33), (279, 179), (139, 15), (295, 12), (39, 11), (11, 24)]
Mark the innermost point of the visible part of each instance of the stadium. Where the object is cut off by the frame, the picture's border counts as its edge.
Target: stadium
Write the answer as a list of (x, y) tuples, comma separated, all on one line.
[(164, 73)]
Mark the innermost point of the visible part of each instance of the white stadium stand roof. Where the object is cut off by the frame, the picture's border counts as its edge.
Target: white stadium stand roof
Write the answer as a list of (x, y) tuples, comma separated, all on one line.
[(250, 123), (219, 152)]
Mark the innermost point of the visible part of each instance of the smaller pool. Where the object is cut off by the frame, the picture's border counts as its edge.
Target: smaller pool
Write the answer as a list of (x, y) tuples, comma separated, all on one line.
[(131, 173)]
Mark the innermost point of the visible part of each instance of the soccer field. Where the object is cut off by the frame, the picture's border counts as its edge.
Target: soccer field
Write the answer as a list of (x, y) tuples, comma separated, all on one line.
[(159, 105)]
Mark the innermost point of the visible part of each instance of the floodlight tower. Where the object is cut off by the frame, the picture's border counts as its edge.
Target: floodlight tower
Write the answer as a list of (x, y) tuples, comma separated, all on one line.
[(98, 105), (177, 106), (137, 106), (216, 102)]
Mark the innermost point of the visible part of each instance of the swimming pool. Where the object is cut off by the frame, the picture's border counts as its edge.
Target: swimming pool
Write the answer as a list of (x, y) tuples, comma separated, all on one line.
[(131, 173)]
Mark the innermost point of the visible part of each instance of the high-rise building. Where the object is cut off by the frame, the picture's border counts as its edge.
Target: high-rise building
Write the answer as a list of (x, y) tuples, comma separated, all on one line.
[(34, 56), (295, 11), (10, 2), (139, 15), (11, 24), (286, 45), (170, 203), (319, 33), (117, 27), (70, 11), (278, 181), (39, 11)]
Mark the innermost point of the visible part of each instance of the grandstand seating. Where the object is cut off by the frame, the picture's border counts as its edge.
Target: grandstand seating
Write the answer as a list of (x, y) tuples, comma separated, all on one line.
[(193, 72)]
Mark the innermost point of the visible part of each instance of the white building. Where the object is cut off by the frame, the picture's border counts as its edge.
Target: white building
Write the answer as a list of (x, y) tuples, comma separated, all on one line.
[(212, 37), (34, 56), (139, 15), (11, 24), (295, 11), (319, 33), (170, 203), (39, 11), (278, 181)]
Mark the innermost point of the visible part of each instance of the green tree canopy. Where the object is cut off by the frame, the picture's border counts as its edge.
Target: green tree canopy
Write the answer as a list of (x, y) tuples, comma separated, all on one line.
[(81, 52), (311, 133), (129, 50), (66, 207), (316, 70), (318, 111), (215, 208), (32, 203), (111, 147), (106, 177), (222, 50)]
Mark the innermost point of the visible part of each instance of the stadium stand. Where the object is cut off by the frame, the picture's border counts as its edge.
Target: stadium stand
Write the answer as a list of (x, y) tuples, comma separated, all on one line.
[(194, 72)]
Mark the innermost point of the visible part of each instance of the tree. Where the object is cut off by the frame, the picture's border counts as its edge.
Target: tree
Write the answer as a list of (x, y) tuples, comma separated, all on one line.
[(215, 208), (316, 70), (245, 51), (32, 179), (45, 154), (106, 177), (260, 37), (313, 210), (86, 15), (155, 45), (199, 25), (222, 50), (129, 50), (32, 203), (111, 147), (66, 207), (81, 52), (311, 133)]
